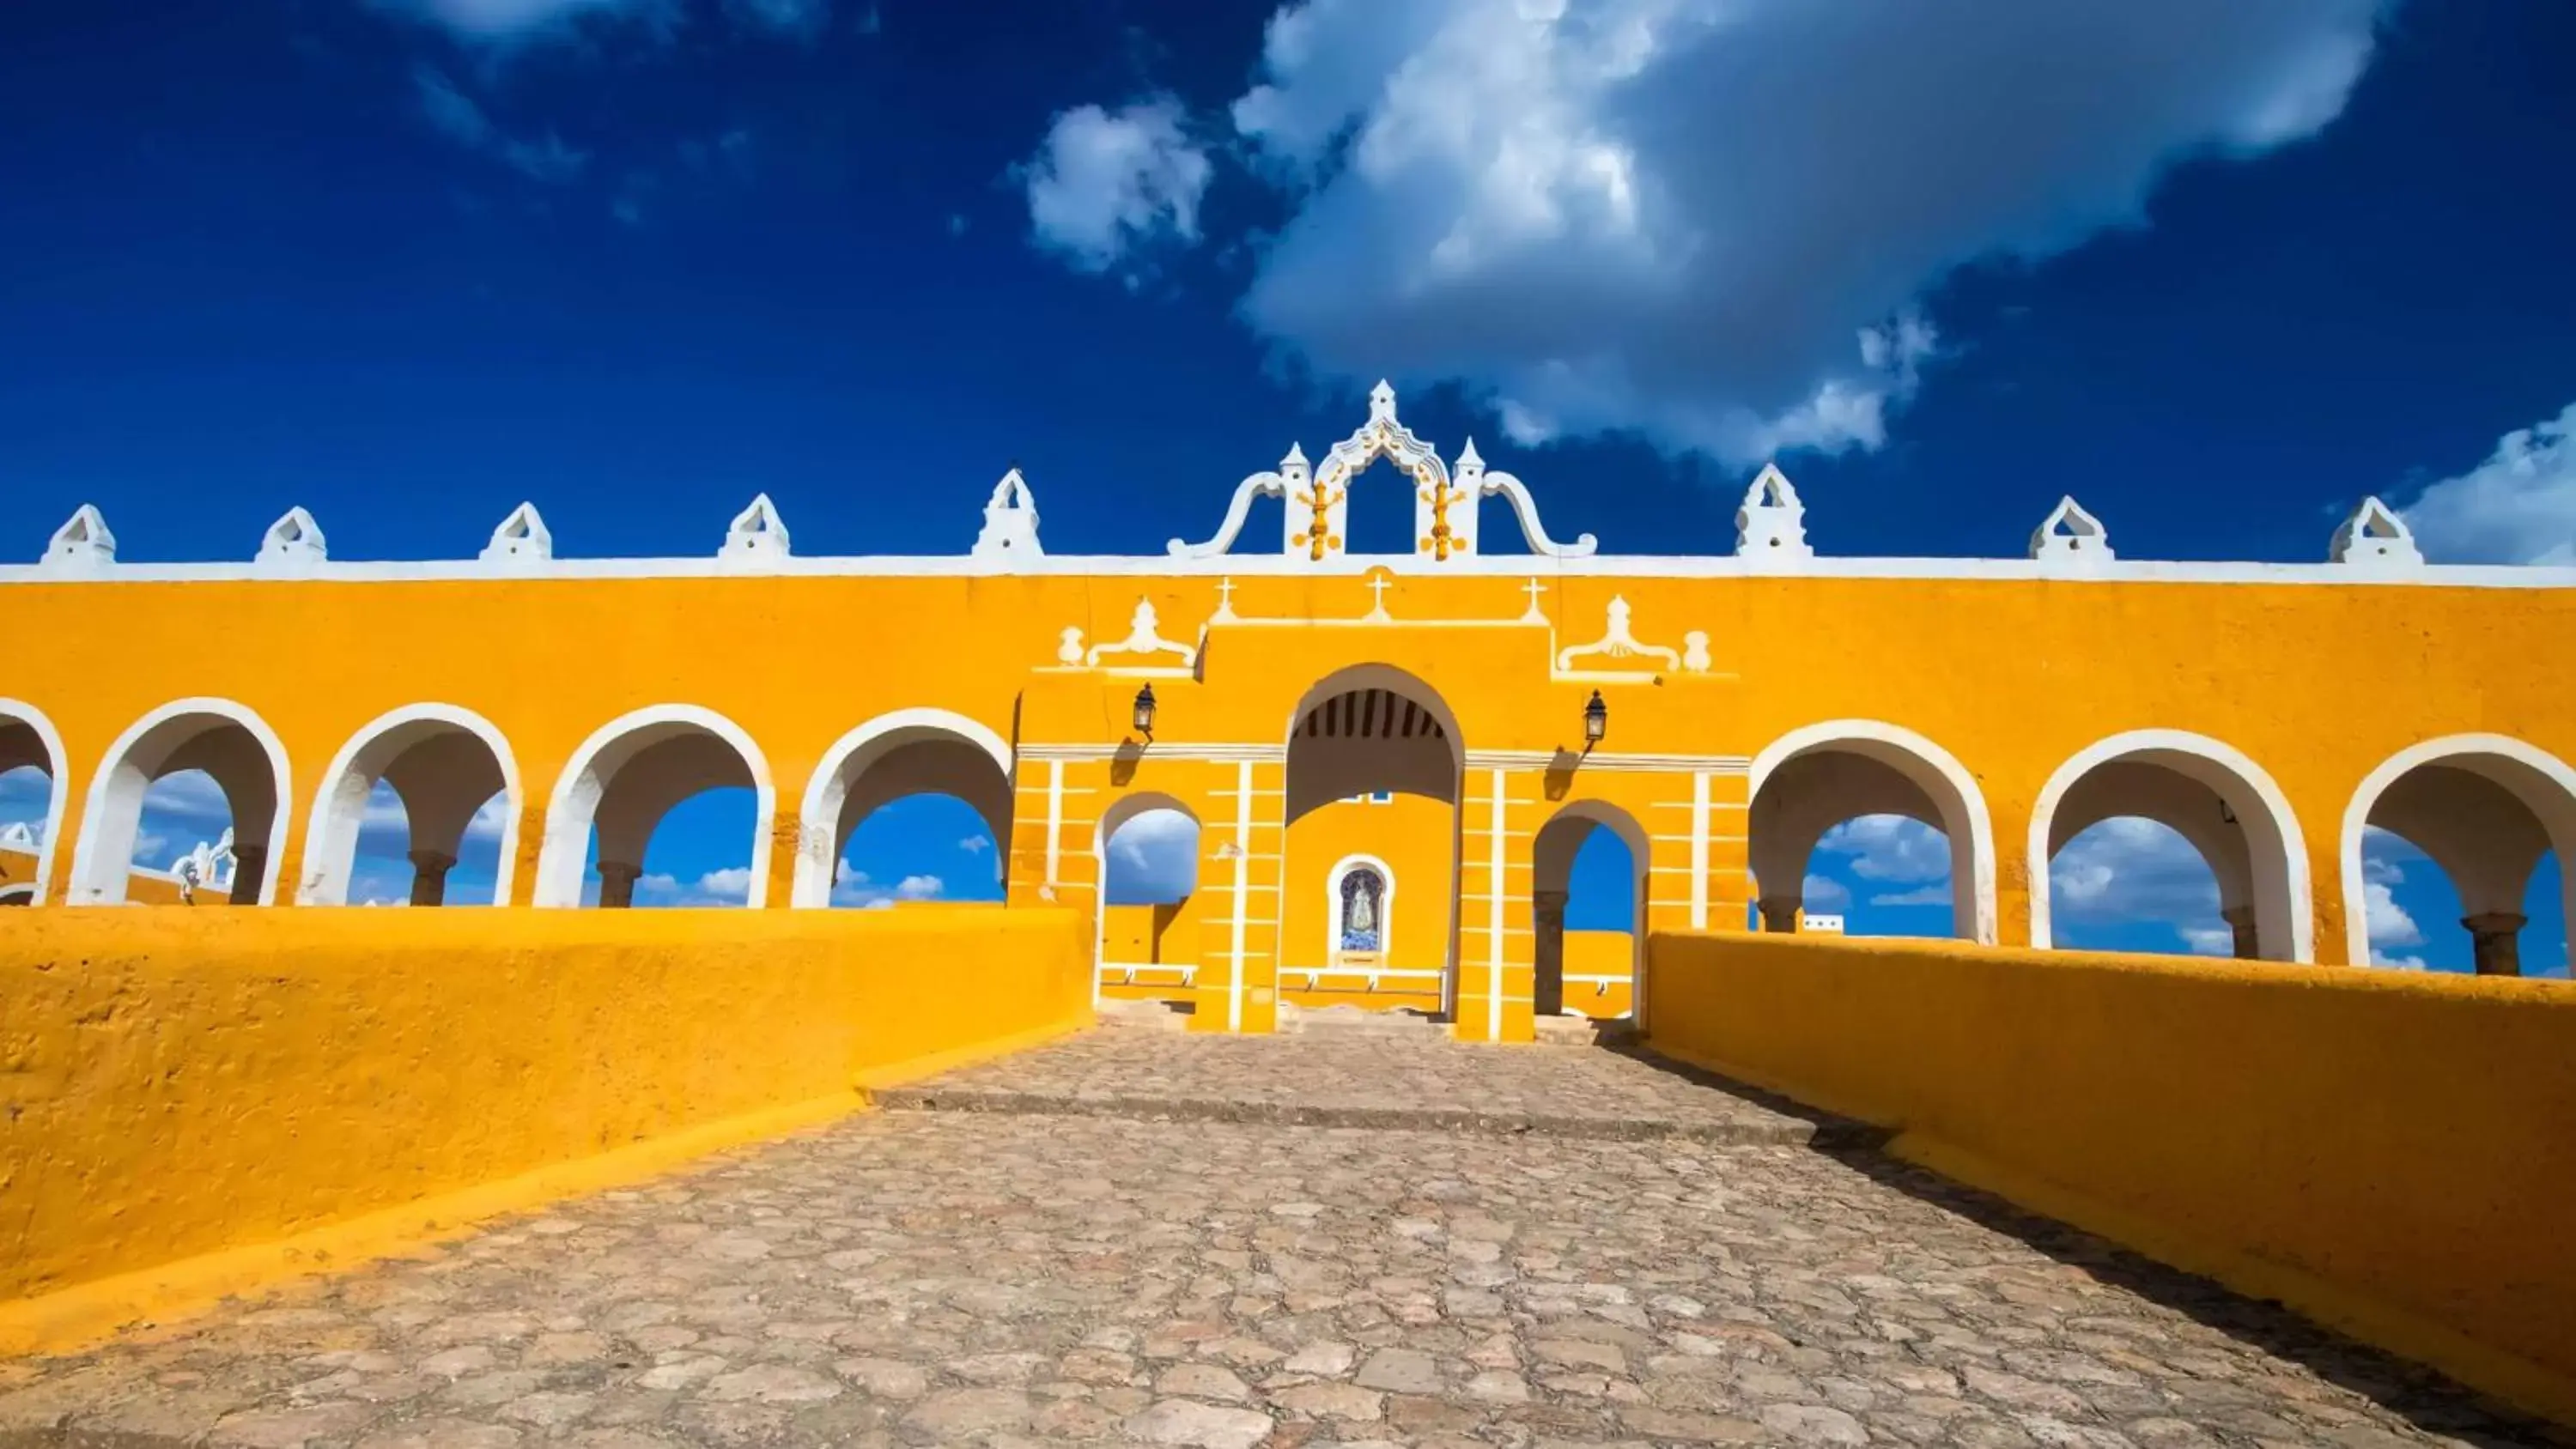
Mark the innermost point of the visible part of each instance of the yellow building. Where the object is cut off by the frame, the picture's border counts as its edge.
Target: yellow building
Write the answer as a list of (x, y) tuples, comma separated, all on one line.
[(1390, 760)]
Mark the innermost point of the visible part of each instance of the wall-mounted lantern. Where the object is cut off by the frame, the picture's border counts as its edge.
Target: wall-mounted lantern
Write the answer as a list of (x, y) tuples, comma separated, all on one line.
[(1145, 712), (1596, 721)]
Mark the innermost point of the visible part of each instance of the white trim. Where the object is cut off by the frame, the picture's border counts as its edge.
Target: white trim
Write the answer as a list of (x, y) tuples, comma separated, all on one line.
[(828, 788), (1242, 898), (574, 804), (331, 835), (1698, 851), (1055, 824), (2557, 819), (58, 788), (1333, 907), (100, 881), (2289, 894), (1494, 915), (1631, 566), (1892, 742)]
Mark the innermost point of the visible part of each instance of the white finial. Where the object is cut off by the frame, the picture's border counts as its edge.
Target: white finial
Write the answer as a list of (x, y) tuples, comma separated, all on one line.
[(16, 836), (1010, 522), (1470, 462), (1068, 648), (1771, 527), (757, 534), (82, 543), (2375, 537), (1382, 403), (522, 538), (1296, 458), (2070, 535), (293, 541)]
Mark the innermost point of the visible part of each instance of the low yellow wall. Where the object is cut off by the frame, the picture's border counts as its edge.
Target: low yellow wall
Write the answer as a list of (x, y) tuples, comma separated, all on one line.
[(182, 1083), (2391, 1152)]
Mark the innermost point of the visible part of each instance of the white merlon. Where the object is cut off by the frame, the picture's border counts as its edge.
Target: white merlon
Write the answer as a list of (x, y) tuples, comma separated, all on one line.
[(83, 543), (1771, 527), (757, 536), (2070, 537), (1010, 522), (521, 538), (2374, 537), (294, 541)]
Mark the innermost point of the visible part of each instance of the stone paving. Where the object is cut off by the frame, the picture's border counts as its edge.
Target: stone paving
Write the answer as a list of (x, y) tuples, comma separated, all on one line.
[(915, 1278)]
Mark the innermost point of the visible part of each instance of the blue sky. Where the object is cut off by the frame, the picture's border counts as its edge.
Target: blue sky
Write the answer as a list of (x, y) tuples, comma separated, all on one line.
[(2217, 269)]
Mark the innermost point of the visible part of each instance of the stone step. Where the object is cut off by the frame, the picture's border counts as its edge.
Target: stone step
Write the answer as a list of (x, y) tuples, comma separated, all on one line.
[(1146, 1015), (1295, 1020), (1586, 1031)]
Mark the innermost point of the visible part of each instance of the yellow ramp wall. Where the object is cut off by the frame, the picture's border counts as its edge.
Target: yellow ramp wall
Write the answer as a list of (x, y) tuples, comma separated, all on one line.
[(181, 1083), (2391, 1152)]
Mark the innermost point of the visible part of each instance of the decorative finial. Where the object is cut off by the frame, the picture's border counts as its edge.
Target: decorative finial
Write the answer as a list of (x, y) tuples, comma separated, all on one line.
[(522, 538), (2375, 536), (757, 534), (293, 541), (2071, 535), (1382, 403), (82, 543)]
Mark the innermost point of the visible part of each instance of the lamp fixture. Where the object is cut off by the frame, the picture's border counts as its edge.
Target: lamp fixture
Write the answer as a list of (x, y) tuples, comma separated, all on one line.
[(1145, 712), (1596, 721)]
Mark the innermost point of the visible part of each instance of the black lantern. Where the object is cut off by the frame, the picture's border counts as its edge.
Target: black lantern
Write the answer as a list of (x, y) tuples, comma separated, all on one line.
[(1596, 721), (1145, 711)]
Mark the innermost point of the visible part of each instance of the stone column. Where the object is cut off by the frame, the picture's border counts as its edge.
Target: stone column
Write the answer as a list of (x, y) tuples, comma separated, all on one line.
[(429, 870), (250, 867), (2240, 919), (617, 884), (1780, 913), (1547, 910), (2496, 940)]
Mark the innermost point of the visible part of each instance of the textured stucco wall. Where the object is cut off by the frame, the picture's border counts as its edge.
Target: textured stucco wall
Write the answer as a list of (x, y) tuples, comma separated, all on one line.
[(181, 1082), (2389, 1151)]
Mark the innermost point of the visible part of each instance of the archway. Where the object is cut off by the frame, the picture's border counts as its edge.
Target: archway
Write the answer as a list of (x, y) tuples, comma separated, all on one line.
[(1588, 849), (233, 747), (2487, 809), (1146, 932), (446, 769), (2210, 794), (1374, 770), (630, 774), (1851, 783), (903, 754), (32, 796)]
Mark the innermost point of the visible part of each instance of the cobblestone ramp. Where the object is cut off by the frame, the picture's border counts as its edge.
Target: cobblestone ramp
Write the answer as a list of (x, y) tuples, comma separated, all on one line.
[(1365, 1080), (922, 1278)]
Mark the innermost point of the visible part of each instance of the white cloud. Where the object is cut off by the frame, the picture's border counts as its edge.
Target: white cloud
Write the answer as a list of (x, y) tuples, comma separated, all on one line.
[(191, 795), (2402, 963), (2131, 869), (919, 887), (1105, 183), (1712, 221), (975, 844), (733, 883), (1153, 859), (803, 19), (1824, 893), (2387, 921), (461, 119), (2208, 940), (2518, 507), (1891, 848), (658, 883), (511, 21), (1930, 895)]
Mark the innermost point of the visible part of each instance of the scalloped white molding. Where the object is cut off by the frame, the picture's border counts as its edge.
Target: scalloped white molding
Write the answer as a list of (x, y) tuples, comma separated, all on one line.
[(82, 544), (2070, 537), (2375, 537), (1141, 644), (757, 536), (1010, 523), (294, 541), (522, 538), (1771, 527)]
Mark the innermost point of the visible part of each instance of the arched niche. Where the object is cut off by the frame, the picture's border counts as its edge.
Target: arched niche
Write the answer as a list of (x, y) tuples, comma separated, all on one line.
[(445, 762), (1553, 853), (626, 777), (29, 741), (2486, 808), (1149, 889), (904, 752), (2211, 795), (1812, 779), (228, 741)]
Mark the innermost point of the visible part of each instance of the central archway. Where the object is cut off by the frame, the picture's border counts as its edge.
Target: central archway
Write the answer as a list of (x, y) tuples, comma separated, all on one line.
[(1375, 768), (1812, 781)]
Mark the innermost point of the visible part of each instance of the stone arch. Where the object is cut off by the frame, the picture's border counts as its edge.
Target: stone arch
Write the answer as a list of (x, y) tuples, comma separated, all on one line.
[(628, 774), (18, 895), (902, 752), (2485, 807), (444, 761), (2212, 795), (28, 738), (1814, 778), (1552, 853), (228, 741), (1105, 834)]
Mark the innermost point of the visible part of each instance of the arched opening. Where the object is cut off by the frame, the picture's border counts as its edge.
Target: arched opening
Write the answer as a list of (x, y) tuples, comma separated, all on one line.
[(421, 808), (918, 806), (1908, 845), (1374, 771), (1147, 848), (1588, 906), (31, 802), (2486, 813), (204, 765), (2223, 805), (672, 777)]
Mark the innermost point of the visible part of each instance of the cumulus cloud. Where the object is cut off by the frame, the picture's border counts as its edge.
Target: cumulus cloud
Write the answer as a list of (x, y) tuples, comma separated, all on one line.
[(1892, 848), (919, 887), (2127, 869), (975, 844), (2517, 507), (732, 882), (501, 20), (1712, 221), (1153, 859), (1824, 893), (2387, 921), (1106, 184), (462, 119)]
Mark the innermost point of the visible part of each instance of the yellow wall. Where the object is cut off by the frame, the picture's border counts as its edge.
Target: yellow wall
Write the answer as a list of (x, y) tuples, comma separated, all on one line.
[(1417, 838), (184, 1082), (2392, 1152), (1145, 950), (1600, 953)]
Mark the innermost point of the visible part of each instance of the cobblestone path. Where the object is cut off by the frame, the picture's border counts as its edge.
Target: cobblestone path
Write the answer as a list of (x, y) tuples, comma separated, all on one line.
[(925, 1277)]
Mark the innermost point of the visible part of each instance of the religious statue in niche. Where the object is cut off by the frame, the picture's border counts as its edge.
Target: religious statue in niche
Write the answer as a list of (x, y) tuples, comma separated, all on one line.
[(1363, 911)]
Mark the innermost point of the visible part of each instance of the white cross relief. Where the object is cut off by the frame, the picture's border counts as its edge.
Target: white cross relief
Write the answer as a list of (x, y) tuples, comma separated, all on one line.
[(1534, 588), (1377, 591), (1224, 601)]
